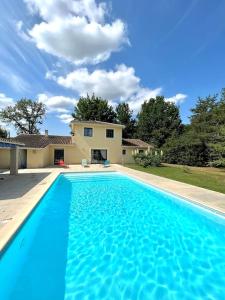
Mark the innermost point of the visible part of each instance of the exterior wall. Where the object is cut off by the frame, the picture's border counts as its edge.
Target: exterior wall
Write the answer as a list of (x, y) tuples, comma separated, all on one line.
[(36, 158), (46, 156), (128, 157), (4, 158), (85, 144), (70, 154), (39, 158)]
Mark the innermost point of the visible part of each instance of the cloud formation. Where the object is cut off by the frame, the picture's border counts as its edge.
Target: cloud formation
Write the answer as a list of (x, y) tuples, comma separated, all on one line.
[(5, 101), (75, 30), (59, 104), (177, 99), (117, 85), (65, 118), (49, 10)]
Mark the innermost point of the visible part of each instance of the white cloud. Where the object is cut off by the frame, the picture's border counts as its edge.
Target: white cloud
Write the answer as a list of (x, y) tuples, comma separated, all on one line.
[(49, 9), (116, 85), (141, 95), (20, 31), (59, 104), (177, 99), (75, 30), (65, 118), (5, 101)]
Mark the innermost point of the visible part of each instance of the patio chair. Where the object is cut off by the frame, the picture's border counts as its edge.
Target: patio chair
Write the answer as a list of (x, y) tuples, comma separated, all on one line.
[(84, 163), (106, 163)]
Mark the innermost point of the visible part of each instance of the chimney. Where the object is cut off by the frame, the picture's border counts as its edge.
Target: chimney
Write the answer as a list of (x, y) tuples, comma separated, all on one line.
[(46, 132)]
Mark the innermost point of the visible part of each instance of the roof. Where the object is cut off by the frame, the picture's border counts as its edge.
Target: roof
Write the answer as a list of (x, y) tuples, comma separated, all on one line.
[(42, 141), (135, 143), (9, 143), (94, 122)]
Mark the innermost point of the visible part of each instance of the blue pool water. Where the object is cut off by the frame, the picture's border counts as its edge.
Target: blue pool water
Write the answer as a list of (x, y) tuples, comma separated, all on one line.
[(106, 236)]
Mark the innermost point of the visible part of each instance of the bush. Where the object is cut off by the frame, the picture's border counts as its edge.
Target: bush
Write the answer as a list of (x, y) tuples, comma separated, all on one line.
[(220, 163), (148, 160), (186, 150)]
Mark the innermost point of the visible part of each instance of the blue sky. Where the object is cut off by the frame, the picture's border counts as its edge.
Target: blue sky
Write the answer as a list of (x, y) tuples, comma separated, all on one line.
[(121, 50)]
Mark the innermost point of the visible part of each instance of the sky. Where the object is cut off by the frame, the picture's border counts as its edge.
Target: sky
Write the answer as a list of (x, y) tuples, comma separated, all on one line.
[(55, 51)]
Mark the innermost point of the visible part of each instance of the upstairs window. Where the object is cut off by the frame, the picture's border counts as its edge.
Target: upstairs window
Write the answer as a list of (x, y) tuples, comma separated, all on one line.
[(110, 133), (124, 152), (88, 131)]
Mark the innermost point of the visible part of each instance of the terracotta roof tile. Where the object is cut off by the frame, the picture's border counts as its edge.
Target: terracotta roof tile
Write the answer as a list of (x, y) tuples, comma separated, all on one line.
[(136, 143), (42, 141)]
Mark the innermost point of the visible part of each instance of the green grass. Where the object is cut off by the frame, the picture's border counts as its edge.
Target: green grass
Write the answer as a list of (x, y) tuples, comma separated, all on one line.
[(209, 178)]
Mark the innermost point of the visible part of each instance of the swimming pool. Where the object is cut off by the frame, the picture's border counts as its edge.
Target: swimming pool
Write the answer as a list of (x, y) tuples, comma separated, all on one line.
[(108, 236)]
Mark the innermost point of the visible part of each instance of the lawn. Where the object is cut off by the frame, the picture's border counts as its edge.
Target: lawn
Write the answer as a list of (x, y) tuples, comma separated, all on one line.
[(209, 178)]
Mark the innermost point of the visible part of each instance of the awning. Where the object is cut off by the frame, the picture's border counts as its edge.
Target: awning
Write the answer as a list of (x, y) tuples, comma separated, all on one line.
[(8, 143)]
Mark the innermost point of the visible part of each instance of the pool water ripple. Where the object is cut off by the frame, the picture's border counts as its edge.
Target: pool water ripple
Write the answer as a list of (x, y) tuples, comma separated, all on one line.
[(106, 236), (146, 245)]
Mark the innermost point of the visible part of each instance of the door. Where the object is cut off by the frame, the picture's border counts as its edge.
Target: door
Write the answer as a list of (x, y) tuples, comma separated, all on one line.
[(58, 156), (98, 156), (22, 161)]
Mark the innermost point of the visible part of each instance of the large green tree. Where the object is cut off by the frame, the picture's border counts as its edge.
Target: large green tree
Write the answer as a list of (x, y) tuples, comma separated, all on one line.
[(25, 115), (158, 120), (94, 108), (124, 116), (203, 141), (208, 123), (3, 133)]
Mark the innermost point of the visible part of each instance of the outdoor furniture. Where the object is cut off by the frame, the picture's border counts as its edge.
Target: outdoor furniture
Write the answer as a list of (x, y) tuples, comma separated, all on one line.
[(84, 163), (106, 163)]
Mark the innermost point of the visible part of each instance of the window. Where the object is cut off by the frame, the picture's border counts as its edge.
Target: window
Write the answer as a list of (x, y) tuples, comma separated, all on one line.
[(88, 131), (141, 151), (98, 156), (124, 152), (109, 133)]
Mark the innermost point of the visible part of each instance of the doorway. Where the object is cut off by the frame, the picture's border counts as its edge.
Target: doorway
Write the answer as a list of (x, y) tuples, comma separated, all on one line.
[(58, 156), (98, 156), (22, 160)]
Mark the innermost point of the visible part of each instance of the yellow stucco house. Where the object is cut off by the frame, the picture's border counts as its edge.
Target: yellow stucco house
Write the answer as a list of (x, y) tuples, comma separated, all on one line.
[(92, 140)]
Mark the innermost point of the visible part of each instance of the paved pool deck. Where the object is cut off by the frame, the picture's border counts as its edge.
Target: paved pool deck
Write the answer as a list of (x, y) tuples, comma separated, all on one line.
[(20, 194)]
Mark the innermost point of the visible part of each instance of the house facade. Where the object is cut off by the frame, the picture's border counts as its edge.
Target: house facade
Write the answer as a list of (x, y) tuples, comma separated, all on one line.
[(92, 140)]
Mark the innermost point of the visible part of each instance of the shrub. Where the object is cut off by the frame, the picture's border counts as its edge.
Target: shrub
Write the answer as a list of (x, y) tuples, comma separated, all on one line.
[(185, 151), (220, 163), (148, 160)]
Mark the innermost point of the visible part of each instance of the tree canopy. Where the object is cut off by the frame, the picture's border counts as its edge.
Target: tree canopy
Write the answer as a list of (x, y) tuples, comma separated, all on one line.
[(204, 138), (124, 116), (158, 120), (94, 108), (25, 115)]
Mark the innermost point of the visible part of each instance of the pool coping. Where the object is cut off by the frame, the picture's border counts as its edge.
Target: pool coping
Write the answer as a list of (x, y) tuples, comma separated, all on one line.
[(35, 195), (212, 207), (8, 231)]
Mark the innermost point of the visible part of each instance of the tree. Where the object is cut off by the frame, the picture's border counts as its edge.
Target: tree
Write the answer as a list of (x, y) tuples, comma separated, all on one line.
[(3, 133), (203, 141), (208, 122), (124, 116), (158, 120), (94, 108), (186, 149), (25, 115)]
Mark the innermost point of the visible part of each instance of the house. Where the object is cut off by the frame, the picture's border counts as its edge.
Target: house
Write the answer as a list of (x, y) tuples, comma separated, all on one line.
[(92, 140)]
